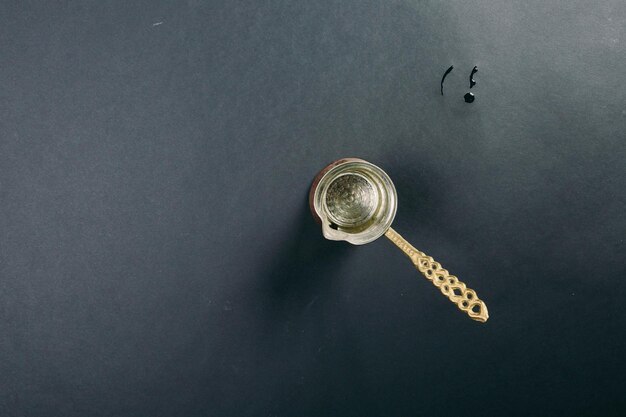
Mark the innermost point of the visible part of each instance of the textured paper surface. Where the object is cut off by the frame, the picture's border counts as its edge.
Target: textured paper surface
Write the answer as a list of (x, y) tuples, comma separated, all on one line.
[(158, 258)]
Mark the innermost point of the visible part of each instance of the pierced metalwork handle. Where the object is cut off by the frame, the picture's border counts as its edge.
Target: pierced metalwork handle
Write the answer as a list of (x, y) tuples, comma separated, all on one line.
[(456, 291)]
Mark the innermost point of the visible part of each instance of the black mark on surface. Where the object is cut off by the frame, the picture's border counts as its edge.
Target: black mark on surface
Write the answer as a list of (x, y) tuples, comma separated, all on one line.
[(472, 82), (445, 74), (469, 98)]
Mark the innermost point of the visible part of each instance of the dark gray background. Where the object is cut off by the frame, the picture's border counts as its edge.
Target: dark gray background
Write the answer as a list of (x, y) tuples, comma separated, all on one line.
[(157, 257)]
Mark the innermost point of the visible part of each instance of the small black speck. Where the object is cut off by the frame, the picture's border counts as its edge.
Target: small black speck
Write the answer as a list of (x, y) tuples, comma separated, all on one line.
[(469, 97)]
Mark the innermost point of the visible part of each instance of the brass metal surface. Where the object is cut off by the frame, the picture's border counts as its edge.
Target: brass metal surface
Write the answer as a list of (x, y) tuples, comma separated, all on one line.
[(356, 201), (353, 200), (456, 291)]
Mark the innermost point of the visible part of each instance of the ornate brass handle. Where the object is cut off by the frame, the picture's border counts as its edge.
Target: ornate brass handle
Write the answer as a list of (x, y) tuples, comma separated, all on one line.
[(456, 291)]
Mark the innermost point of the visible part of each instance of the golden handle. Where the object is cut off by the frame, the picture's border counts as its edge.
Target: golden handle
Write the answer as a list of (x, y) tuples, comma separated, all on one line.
[(465, 298)]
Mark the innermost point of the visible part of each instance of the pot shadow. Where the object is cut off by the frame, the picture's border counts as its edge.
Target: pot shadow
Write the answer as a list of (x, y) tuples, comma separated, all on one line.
[(304, 269), (307, 324)]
